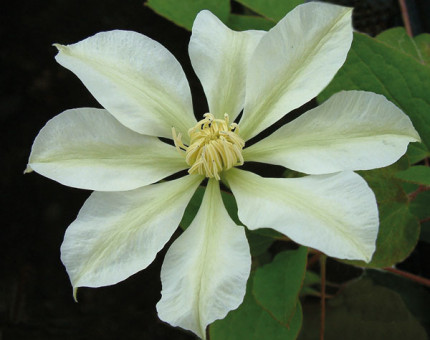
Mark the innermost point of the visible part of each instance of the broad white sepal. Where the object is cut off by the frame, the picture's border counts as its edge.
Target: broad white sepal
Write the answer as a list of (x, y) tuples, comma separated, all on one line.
[(205, 270), (89, 149), (352, 130), (133, 77), (293, 63), (336, 214), (117, 234), (220, 59)]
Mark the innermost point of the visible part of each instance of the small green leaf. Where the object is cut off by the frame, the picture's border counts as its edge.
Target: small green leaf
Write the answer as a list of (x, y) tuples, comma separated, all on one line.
[(251, 322), (183, 12), (273, 10), (417, 152), (310, 280), (248, 22), (373, 65), (418, 174), (417, 47), (277, 285)]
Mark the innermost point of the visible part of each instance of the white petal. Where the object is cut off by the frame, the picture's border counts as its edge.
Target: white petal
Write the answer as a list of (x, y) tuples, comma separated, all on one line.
[(134, 78), (220, 58), (293, 62), (88, 148), (205, 271), (117, 234), (336, 214), (353, 130)]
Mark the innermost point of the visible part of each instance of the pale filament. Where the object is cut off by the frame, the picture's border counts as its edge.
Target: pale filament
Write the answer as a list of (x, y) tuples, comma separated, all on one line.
[(214, 146)]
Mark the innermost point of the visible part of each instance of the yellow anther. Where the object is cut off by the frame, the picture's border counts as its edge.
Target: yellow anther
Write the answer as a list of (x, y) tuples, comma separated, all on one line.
[(214, 146)]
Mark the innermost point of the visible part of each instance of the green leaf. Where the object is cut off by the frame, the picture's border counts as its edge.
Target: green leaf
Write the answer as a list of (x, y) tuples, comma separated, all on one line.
[(196, 200), (384, 185), (273, 10), (409, 187), (420, 205), (399, 228), (417, 47), (270, 233), (251, 322), (310, 280), (363, 310), (417, 152), (247, 22), (277, 285), (231, 206), (418, 174), (258, 243), (398, 235), (192, 208), (415, 296), (375, 66), (183, 12)]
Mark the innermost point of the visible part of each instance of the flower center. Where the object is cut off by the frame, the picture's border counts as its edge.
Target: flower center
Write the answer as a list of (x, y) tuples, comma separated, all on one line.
[(214, 146)]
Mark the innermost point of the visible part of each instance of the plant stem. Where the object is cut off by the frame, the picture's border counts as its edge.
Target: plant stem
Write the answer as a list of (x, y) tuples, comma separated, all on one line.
[(405, 17), (323, 273), (313, 259), (414, 194), (412, 277)]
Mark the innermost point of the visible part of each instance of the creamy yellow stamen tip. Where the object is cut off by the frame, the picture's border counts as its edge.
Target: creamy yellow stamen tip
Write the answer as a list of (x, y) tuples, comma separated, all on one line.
[(214, 146)]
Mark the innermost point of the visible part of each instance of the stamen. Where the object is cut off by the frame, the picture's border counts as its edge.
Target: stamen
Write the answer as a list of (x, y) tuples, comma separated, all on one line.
[(214, 146)]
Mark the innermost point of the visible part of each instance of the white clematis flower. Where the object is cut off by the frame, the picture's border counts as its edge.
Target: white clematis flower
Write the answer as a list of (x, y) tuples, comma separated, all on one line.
[(116, 152)]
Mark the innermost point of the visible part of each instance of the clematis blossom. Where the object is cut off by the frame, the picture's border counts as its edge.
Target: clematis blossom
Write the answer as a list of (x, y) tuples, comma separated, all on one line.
[(133, 213)]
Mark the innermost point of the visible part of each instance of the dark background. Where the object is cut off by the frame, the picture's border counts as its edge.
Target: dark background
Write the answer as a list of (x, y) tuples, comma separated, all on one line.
[(35, 293)]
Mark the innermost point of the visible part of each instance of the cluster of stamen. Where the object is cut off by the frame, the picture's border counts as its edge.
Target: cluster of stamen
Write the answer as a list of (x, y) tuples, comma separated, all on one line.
[(214, 146)]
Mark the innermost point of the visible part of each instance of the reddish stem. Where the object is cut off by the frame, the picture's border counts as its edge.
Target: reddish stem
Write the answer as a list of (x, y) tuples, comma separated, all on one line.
[(405, 17), (323, 274), (414, 194), (425, 220), (412, 277), (312, 260)]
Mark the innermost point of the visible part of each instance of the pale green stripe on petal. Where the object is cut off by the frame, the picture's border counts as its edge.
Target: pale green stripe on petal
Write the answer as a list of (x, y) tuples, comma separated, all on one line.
[(352, 130), (336, 214), (220, 58), (117, 234), (293, 62), (205, 270), (135, 78), (89, 149)]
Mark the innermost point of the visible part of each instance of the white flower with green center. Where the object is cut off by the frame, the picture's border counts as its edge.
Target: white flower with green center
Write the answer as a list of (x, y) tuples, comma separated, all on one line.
[(116, 152)]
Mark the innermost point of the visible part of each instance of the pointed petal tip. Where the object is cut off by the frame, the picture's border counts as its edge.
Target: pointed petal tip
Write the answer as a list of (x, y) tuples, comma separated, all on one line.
[(28, 169), (416, 137), (59, 47), (75, 294)]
